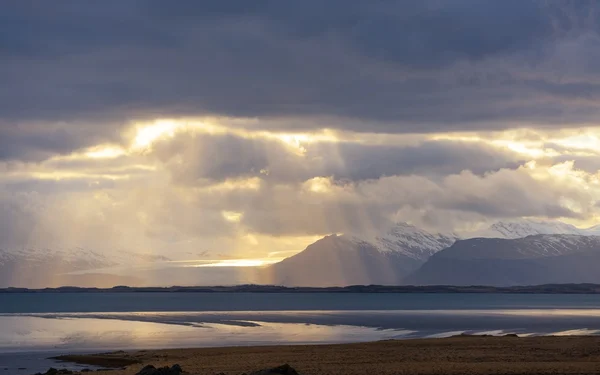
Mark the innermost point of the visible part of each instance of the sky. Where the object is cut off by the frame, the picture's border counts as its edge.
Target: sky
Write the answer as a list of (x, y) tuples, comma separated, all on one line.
[(242, 131)]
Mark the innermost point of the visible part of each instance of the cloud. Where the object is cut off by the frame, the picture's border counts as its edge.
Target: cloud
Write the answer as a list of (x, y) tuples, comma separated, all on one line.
[(234, 212), (425, 66), (196, 158), (373, 204), (241, 128), (38, 141)]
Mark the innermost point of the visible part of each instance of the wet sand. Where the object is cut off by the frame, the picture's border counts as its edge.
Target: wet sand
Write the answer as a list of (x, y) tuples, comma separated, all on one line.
[(455, 355)]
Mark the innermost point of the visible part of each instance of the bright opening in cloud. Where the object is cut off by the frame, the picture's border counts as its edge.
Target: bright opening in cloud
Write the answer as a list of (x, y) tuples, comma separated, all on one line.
[(146, 135), (318, 185), (107, 152), (232, 216)]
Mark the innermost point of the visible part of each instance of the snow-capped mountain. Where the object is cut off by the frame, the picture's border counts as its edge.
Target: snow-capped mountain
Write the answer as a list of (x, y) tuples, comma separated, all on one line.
[(75, 259), (410, 241), (39, 267), (535, 259), (526, 227), (391, 257), (345, 260), (592, 231)]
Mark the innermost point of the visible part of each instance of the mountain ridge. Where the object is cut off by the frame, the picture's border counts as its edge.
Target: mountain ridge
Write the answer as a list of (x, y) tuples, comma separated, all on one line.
[(535, 259), (402, 250), (343, 260)]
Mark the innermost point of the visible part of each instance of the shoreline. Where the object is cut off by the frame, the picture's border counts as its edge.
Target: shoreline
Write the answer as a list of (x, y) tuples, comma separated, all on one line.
[(569, 288), (461, 354)]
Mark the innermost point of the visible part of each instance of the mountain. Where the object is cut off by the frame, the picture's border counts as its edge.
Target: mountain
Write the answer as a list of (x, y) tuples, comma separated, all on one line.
[(593, 231), (348, 260), (41, 267), (528, 227), (412, 242), (532, 260), (390, 258)]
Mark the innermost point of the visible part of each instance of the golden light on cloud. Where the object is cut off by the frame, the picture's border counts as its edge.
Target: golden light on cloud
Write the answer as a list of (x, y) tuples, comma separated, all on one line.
[(251, 239), (143, 135), (294, 141), (105, 152), (146, 135), (511, 140), (232, 216), (72, 175), (582, 141), (319, 185), (253, 183), (531, 149)]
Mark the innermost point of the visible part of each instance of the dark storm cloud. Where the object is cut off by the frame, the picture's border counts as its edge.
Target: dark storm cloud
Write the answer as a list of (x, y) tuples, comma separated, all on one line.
[(393, 66), (205, 158), (36, 146), (359, 162), (39, 141)]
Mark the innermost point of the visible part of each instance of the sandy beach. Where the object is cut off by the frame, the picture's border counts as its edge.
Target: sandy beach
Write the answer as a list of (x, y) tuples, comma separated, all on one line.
[(454, 355)]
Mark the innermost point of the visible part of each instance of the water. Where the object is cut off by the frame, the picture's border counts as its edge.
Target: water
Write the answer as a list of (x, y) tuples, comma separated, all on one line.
[(131, 302), (34, 325)]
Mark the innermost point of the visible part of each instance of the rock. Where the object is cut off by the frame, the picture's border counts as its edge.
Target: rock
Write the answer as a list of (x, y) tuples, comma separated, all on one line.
[(511, 335), (151, 370), (280, 370), (147, 370), (53, 371)]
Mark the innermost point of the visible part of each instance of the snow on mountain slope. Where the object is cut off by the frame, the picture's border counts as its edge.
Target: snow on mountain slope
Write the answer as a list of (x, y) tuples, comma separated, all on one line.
[(389, 258), (592, 231), (558, 244), (533, 246), (532, 260), (410, 241), (73, 259), (347, 260), (524, 228), (40, 267)]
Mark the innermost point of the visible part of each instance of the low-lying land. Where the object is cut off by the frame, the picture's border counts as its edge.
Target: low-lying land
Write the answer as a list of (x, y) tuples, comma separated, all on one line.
[(455, 355), (526, 289)]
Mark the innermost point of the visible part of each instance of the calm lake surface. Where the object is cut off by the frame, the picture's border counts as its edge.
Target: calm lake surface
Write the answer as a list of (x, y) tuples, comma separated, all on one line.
[(33, 325)]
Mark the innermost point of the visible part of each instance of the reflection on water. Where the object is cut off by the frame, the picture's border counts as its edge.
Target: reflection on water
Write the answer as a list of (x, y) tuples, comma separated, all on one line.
[(26, 339), (125, 330), (32, 324), (18, 333)]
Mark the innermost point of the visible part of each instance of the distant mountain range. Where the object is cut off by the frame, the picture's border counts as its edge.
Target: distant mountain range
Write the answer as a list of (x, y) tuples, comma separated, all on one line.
[(347, 260), (42, 267), (532, 260), (523, 252), (524, 228)]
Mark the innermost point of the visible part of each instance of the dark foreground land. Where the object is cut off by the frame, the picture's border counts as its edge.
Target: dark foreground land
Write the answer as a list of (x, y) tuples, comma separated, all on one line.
[(455, 355)]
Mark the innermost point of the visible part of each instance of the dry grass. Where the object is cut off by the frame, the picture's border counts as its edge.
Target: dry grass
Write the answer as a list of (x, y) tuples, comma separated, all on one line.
[(456, 355)]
